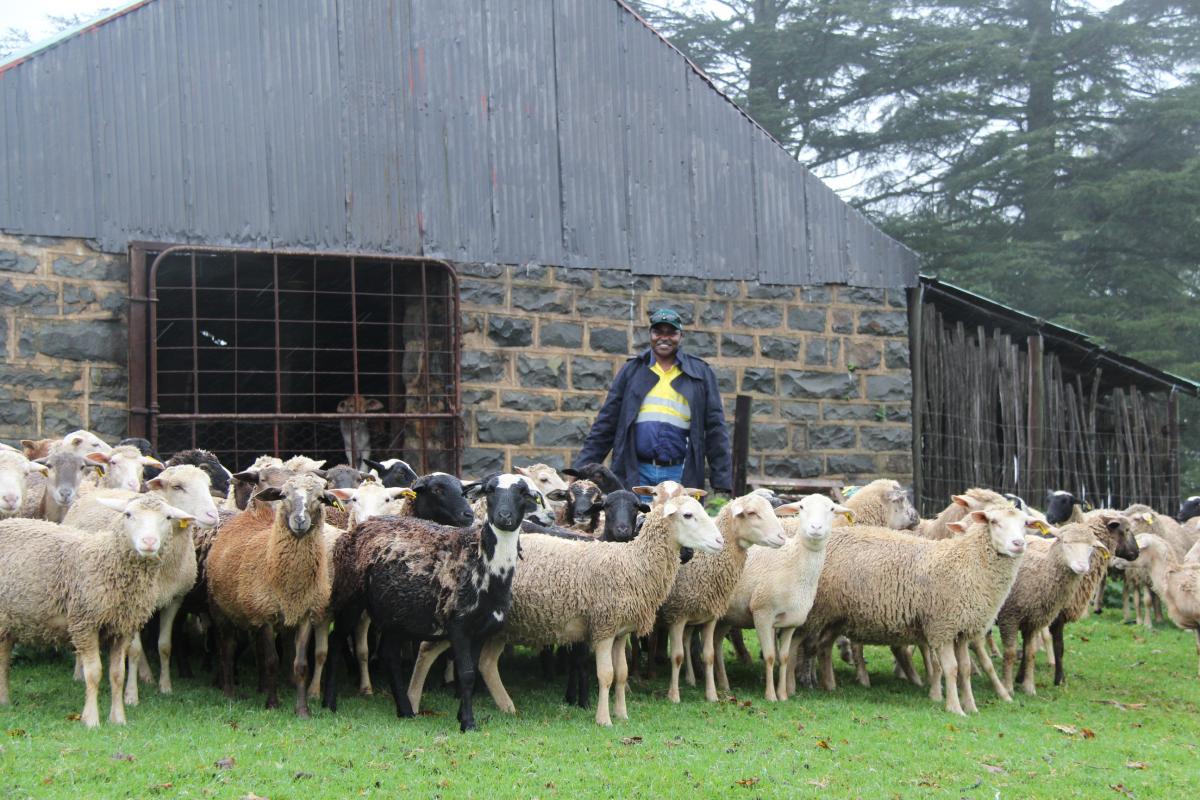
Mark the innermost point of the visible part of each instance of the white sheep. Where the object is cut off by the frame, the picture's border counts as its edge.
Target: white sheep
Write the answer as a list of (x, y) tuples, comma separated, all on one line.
[(777, 587), (49, 495), (62, 584), (15, 470), (123, 467), (1177, 583)]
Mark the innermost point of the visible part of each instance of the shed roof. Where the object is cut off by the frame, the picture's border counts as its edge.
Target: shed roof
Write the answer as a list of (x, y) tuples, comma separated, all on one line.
[(488, 130)]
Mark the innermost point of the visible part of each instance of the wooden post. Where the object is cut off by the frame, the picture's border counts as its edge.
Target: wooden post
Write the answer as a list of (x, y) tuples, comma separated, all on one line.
[(1173, 482), (741, 443), (916, 362), (1036, 460)]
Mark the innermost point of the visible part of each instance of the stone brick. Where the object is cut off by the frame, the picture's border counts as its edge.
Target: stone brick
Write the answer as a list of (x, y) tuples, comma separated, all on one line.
[(561, 431), (543, 301), (524, 401), (678, 284), (29, 298), (700, 343), (767, 436), (759, 316), (510, 331), (546, 373), (620, 279), (863, 354), (734, 345), (61, 417), (591, 373), (481, 293), (762, 408), (800, 439), (609, 340), (806, 319), (819, 295), (799, 412), (889, 388), (63, 383), (879, 437), (727, 288), (758, 379), (472, 323), (685, 310), (107, 422), (778, 348), (18, 413), (770, 291), (897, 298), (841, 321), (529, 273), (792, 467), (851, 464), (799, 384), (816, 352), (831, 437), (851, 411), (3, 335), (835, 352), (483, 367), (726, 379), (883, 323), (585, 278), (12, 261), (609, 308), (557, 462), (479, 461), (895, 355), (561, 334), (75, 340), (899, 463), (487, 270), (100, 268), (713, 314), (473, 397), (496, 429), (901, 413), (108, 384), (860, 296), (582, 402)]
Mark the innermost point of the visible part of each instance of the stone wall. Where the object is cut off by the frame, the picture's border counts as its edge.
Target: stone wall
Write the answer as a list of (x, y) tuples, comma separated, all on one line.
[(63, 335), (827, 366)]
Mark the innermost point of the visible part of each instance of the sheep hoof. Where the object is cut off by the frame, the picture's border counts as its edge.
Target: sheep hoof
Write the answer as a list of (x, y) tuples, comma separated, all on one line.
[(367, 692)]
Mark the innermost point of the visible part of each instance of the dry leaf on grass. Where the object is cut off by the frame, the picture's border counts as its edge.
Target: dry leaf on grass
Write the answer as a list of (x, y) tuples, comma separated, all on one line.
[(73, 718), (1123, 706), (821, 784), (824, 745), (122, 757), (631, 740), (225, 763), (1137, 764), (747, 782), (1121, 788), (995, 769), (1072, 730)]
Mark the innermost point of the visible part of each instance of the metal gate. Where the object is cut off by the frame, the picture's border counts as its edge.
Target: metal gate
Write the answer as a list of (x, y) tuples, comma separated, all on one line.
[(246, 352)]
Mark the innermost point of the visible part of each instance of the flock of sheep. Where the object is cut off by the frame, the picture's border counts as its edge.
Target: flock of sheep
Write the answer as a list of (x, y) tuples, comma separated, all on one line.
[(96, 540)]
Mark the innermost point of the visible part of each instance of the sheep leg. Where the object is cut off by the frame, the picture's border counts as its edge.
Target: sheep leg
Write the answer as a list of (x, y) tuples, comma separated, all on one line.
[(1030, 639), (145, 674), (708, 655), (362, 651), (1056, 633), (320, 653), (825, 654), (426, 655), (577, 672), (489, 669), (903, 656), (466, 660), (678, 654), (620, 677), (604, 677), (1156, 603), (739, 647), (765, 628), (966, 692), (1148, 597), (786, 675), (1098, 597), (1127, 593), (860, 664), (1197, 653), (688, 639), (6, 648), (304, 632), (78, 667), (134, 657), (985, 661), (89, 654), (227, 648), (993, 651), (1010, 658), (933, 671), (950, 667), (804, 667), (719, 666), (392, 647), (166, 625), (117, 653), (269, 664)]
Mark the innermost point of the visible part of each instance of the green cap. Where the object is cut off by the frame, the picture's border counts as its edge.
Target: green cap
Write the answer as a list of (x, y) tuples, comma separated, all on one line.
[(665, 316)]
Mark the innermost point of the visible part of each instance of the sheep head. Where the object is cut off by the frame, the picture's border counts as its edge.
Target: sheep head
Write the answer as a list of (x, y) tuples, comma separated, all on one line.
[(302, 499)]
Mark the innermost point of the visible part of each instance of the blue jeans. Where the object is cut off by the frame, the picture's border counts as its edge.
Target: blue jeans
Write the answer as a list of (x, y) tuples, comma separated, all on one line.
[(652, 475)]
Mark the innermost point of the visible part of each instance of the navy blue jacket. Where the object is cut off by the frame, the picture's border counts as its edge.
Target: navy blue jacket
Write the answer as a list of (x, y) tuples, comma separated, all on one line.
[(708, 438)]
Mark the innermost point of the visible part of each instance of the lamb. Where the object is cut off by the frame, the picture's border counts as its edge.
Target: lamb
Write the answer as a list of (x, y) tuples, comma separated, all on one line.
[(885, 587), (123, 467), (777, 588), (298, 464), (1049, 575), (421, 581), (184, 487), (61, 584), (268, 567), (600, 592), (48, 496), (218, 476), (1178, 584), (356, 433), (14, 479), (582, 501), (703, 586)]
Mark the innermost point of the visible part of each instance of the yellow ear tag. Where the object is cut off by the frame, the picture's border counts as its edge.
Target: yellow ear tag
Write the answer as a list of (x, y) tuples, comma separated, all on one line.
[(1043, 528), (849, 516), (541, 501), (1148, 518), (337, 503), (409, 494), (182, 524)]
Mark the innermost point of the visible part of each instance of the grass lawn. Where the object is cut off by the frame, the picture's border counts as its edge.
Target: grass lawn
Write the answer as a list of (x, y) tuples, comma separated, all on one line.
[(1129, 717)]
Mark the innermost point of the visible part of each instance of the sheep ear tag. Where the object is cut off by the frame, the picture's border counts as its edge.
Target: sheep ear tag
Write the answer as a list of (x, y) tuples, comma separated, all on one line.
[(182, 524), (849, 515), (409, 494), (337, 503), (1148, 518)]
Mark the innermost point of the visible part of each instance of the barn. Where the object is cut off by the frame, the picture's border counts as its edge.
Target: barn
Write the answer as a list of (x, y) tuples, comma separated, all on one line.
[(219, 220)]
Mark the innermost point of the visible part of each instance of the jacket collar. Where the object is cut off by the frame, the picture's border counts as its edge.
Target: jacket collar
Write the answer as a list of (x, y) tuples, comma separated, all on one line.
[(688, 365)]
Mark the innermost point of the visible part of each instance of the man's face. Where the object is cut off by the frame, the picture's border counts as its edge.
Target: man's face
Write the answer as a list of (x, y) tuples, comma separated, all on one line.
[(664, 340)]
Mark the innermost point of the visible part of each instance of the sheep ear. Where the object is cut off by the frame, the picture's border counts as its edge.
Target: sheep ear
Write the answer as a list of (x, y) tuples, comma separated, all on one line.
[(737, 507), (341, 494), (397, 493), (558, 495), (839, 509), (115, 503), (522, 471), (1041, 527), (957, 527), (788, 509), (320, 473), (962, 500), (470, 490), (642, 507), (1148, 517), (155, 483), (1099, 545), (268, 494), (331, 498), (979, 516), (37, 466), (375, 465), (148, 461), (698, 494), (648, 491), (246, 476), (179, 514), (96, 458), (408, 494)]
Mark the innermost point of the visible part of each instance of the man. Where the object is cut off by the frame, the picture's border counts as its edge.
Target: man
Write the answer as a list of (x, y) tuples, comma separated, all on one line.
[(663, 416)]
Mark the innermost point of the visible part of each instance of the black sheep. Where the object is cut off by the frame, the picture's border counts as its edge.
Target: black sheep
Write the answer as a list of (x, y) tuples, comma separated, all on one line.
[(1059, 505), (1188, 508), (598, 474), (205, 460), (394, 473), (442, 498), (422, 581)]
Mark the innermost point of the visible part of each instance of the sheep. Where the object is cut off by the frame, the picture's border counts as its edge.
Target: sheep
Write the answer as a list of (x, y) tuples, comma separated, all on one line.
[(344, 476), (1188, 509), (250, 481), (356, 433), (80, 442), (886, 587), (1049, 575), (123, 467), (881, 503), (1060, 506), (600, 592), (48, 496), (267, 567), (598, 474), (34, 449), (218, 475), (1178, 584), (441, 498), (582, 502), (545, 477), (145, 448), (298, 464), (975, 499), (62, 584), (393, 472), (702, 587), (15, 470), (368, 500), (185, 487), (777, 587), (451, 585)]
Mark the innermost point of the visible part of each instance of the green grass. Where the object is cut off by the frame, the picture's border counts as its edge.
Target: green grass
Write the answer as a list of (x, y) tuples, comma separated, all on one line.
[(881, 742)]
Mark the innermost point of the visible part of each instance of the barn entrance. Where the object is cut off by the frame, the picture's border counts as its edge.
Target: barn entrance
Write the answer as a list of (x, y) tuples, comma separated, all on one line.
[(252, 352)]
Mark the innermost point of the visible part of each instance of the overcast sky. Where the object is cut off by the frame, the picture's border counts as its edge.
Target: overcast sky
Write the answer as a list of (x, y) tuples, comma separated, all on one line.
[(31, 15)]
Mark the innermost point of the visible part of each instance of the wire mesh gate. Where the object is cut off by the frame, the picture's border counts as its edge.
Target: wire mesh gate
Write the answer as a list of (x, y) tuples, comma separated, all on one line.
[(334, 356)]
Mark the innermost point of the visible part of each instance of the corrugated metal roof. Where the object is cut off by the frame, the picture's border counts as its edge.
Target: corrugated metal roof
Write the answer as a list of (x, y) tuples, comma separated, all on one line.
[(476, 130)]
